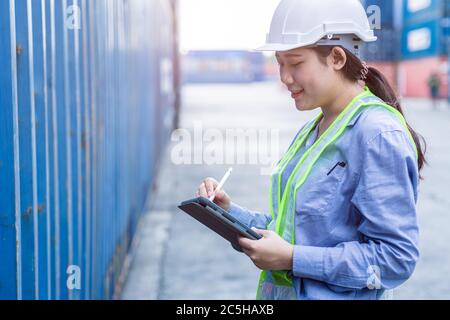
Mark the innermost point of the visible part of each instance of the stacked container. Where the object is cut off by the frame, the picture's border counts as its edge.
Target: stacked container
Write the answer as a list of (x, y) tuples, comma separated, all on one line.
[(412, 43), (387, 46), (424, 46), (223, 66), (386, 23), (423, 32)]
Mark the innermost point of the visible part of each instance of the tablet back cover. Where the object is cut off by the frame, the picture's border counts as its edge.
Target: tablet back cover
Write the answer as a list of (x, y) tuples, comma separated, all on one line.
[(209, 218)]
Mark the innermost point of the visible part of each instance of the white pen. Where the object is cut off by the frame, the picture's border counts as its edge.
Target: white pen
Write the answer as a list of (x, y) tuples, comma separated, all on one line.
[(221, 183)]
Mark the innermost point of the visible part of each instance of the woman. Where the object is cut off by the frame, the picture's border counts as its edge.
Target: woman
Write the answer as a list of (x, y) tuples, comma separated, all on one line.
[(343, 218), (434, 84)]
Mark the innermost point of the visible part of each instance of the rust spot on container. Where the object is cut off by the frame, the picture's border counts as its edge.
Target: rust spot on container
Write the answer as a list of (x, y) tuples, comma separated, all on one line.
[(27, 213), (41, 208), (19, 49)]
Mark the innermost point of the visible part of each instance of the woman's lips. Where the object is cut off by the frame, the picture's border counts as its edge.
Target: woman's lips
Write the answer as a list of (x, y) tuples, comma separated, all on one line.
[(296, 94)]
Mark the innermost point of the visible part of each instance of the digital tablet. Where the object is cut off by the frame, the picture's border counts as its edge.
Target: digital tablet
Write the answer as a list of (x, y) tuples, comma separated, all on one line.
[(219, 220)]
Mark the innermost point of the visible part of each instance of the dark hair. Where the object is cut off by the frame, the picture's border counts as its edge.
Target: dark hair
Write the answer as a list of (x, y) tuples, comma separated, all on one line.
[(379, 85)]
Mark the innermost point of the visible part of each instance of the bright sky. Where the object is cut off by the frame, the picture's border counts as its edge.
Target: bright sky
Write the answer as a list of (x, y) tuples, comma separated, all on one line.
[(224, 24)]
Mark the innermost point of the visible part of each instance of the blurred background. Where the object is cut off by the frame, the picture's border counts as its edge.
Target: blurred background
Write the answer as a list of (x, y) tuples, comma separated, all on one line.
[(114, 111)]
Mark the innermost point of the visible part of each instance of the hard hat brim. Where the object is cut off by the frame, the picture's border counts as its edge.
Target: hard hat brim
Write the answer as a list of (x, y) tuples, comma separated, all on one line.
[(278, 47), (287, 47)]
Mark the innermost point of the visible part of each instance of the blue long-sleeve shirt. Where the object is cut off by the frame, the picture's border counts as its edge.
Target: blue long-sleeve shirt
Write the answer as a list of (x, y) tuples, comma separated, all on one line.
[(356, 231)]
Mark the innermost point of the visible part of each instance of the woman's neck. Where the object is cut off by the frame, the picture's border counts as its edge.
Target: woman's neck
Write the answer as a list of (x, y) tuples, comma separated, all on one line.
[(339, 102)]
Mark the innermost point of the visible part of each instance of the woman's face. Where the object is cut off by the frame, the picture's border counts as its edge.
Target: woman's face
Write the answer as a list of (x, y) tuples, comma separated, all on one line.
[(309, 80)]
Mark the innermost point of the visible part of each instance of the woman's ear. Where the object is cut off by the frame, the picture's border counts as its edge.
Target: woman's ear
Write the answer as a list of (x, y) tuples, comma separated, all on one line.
[(337, 58)]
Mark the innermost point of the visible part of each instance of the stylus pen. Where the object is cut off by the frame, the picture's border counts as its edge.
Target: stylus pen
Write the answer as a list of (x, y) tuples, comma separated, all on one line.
[(221, 183)]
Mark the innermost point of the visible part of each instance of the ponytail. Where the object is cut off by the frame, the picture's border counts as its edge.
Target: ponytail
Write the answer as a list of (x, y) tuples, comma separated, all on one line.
[(380, 87)]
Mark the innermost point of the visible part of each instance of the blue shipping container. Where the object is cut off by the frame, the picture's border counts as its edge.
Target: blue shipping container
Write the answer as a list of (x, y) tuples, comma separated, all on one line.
[(418, 11), (386, 48), (386, 9), (87, 102), (423, 40)]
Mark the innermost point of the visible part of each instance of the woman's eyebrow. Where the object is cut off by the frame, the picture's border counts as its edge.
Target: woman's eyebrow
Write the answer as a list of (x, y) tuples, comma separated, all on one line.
[(290, 55)]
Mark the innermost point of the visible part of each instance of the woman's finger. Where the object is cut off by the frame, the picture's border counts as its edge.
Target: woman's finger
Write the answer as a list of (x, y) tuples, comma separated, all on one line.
[(220, 194), (210, 185), (202, 190), (264, 233)]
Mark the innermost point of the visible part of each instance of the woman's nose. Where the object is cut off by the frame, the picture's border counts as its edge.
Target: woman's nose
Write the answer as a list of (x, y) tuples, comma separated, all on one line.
[(286, 78)]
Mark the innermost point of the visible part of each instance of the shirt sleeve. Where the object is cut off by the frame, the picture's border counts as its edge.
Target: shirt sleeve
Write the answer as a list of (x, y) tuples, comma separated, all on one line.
[(385, 197), (250, 218)]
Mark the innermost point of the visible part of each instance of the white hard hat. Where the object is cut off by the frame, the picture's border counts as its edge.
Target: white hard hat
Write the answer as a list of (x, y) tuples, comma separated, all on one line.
[(301, 23)]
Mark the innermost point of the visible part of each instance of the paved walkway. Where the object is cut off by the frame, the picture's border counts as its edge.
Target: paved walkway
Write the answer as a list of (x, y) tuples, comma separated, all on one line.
[(177, 258)]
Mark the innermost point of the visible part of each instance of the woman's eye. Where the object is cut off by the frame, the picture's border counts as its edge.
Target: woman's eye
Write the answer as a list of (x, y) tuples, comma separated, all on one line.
[(297, 64)]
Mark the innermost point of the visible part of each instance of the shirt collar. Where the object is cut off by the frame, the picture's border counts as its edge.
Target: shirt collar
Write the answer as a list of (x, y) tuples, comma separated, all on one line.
[(352, 122)]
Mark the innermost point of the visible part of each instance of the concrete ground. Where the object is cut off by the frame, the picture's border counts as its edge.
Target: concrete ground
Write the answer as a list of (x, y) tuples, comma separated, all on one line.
[(175, 257)]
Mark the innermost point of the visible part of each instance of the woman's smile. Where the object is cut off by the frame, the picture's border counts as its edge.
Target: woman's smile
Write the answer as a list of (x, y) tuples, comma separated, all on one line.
[(296, 94)]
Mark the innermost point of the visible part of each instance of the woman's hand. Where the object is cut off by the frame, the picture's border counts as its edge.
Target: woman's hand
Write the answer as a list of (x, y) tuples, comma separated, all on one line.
[(270, 252), (206, 190)]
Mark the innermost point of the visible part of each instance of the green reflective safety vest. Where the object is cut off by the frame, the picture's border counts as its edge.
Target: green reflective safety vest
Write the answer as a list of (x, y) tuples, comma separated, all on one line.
[(278, 285)]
